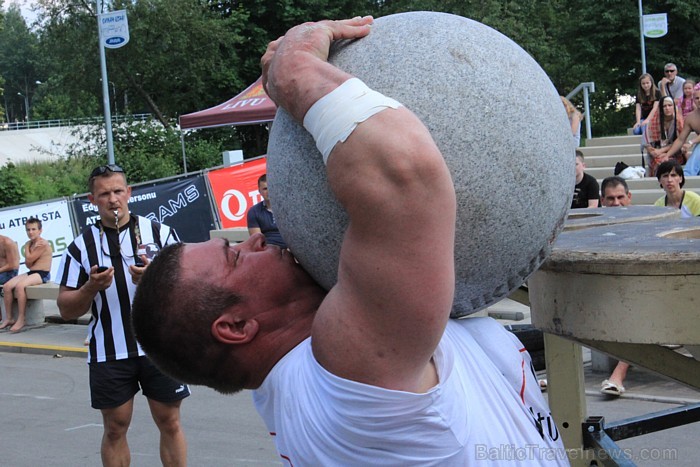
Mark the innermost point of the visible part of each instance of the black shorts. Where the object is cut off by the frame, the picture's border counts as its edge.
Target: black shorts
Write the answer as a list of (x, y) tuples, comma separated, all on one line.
[(45, 275), (115, 383)]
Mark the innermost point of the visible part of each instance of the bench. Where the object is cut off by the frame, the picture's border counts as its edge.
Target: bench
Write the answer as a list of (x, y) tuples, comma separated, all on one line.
[(36, 294)]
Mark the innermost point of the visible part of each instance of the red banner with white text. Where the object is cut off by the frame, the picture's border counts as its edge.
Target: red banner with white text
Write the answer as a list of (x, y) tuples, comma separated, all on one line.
[(235, 191)]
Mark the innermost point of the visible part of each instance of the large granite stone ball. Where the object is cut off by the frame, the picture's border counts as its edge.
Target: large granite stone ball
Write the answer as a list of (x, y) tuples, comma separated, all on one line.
[(502, 130)]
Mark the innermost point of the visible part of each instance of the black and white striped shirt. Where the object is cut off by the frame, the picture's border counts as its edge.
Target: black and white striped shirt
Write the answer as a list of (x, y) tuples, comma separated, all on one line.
[(111, 337)]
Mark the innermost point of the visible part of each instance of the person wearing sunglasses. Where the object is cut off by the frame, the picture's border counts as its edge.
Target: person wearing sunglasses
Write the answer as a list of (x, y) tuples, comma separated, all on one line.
[(99, 272), (671, 84)]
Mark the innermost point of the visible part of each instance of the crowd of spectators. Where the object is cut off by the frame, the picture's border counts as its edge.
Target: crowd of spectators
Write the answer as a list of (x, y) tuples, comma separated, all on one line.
[(666, 117)]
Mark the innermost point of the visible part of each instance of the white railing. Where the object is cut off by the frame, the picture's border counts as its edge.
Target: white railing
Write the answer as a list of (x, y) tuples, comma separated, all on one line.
[(70, 122)]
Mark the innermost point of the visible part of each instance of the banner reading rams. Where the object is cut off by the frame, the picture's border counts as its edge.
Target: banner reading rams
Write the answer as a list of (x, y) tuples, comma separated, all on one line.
[(182, 203)]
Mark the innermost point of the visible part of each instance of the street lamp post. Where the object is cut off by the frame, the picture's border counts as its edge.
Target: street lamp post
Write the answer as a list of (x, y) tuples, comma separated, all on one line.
[(26, 106), (641, 36), (105, 89)]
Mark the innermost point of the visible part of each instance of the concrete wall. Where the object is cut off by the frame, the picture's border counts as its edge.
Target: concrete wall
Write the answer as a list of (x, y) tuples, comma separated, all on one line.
[(35, 144)]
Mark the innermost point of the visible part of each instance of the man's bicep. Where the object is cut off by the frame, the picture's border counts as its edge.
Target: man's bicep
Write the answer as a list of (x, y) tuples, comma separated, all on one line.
[(397, 256)]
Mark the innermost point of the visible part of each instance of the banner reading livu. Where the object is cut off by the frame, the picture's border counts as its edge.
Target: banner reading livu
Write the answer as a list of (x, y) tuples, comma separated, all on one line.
[(235, 191), (56, 226), (182, 203)]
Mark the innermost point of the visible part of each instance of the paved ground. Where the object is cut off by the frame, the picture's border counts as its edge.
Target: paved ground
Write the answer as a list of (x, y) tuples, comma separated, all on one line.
[(45, 418)]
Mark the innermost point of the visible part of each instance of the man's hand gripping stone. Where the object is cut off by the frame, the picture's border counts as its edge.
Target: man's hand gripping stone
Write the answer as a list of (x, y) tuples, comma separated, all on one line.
[(295, 69)]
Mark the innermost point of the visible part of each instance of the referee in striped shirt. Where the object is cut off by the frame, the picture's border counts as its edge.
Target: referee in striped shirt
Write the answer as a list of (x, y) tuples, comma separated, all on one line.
[(99, 272)]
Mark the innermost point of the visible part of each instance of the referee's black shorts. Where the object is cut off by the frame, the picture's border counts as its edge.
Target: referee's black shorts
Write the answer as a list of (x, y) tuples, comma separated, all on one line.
[(115, 382)]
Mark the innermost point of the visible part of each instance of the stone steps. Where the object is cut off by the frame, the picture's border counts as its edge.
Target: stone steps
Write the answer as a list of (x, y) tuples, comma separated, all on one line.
[(613, 141), (591, 151), (609, 161)]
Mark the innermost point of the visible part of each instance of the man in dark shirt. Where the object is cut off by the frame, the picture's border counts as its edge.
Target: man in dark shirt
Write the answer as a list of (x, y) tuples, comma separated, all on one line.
[(261, 218), (586, 192)]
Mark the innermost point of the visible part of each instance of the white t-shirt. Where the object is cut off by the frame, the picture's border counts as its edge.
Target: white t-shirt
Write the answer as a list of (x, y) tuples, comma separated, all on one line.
[(487, 408)]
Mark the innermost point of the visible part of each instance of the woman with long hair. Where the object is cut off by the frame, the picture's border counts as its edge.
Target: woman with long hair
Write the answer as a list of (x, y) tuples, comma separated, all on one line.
[(648, 96), (662, 131)]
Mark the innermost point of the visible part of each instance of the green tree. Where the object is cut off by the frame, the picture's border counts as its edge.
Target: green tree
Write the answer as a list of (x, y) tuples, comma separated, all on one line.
[(266, 20), (12, 189), (187, 55), (578, 40), (18, 62), (180, 54)]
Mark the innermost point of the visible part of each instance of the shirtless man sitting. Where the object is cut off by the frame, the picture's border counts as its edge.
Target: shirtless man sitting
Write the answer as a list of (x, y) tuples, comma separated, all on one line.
[(37, 256), (9, 262)]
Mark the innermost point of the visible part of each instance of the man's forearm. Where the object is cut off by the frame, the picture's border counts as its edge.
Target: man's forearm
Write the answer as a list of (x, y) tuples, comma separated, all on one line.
[(74, 303)]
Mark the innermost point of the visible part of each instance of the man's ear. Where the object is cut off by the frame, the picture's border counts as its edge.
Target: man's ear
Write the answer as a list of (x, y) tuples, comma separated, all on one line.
[(91, 198), (231, 329)]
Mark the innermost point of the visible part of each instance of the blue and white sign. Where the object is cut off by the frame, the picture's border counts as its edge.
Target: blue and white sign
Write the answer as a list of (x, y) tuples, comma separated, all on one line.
[(114, 29)]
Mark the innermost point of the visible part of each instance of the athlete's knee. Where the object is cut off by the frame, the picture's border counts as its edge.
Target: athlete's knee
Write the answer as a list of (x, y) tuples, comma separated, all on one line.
[(116, 425), (168, 420)]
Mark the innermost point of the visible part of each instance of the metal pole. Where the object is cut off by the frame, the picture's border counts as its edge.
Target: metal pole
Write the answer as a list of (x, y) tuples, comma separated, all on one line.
[(588, 113), (114, 97), (641, 35), (105, 89), (184, 156)]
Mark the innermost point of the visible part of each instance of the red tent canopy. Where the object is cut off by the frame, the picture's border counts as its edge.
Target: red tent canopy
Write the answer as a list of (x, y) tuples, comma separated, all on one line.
[(249, 107)]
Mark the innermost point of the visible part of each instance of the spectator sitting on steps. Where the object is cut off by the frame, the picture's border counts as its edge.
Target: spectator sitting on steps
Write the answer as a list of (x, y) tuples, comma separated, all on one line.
[(586, 193), (663, 130), (671, 84), (692, 123)]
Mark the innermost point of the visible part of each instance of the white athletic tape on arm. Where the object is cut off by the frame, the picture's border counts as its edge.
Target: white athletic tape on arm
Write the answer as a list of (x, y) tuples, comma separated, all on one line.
[(333, 118)]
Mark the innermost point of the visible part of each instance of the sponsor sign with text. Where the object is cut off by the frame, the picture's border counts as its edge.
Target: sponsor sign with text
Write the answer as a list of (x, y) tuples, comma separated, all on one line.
[(56, 228), (235, 191), (655, 26)]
